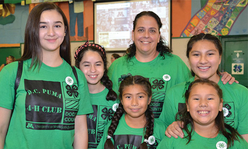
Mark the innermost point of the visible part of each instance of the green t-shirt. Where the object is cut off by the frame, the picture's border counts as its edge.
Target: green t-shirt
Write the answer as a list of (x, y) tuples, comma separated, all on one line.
[(235, 97), (197, 141), (103, 113), (126, 137), (47, 102), (162, 74)]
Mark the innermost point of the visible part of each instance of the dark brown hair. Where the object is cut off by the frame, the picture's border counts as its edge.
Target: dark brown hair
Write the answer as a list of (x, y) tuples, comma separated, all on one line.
[(200, 37), (131, 80), (184, 116), (105, 79), (32, 47)]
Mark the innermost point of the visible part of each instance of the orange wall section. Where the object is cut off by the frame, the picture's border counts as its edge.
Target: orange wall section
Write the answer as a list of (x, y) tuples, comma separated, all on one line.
[(181, 14)]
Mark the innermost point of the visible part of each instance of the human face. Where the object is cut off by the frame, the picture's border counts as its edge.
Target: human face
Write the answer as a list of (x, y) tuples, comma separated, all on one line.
[(204, 60), (204, 104), (146, 35), (92, 66), (52, 30), (112, 59), (135, 101)]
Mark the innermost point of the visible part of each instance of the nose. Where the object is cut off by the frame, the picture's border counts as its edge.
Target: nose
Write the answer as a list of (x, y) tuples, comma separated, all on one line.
[(146, 33), (134, 102), (203, 103), (92, 68), (203, 59), (51, 31)]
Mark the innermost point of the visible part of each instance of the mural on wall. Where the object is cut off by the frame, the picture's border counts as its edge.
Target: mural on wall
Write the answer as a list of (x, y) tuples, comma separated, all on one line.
[(13, 21), (218, 17)]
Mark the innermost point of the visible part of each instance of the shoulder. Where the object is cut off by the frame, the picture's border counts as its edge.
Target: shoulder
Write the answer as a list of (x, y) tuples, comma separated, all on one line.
[(235, 88)]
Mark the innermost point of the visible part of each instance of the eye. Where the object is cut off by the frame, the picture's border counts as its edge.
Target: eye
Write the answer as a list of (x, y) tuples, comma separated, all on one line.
[(86, 65), (57, 26), (98, 64), (141, 96), (42, 26), (210, 98), (210, 54), (140, 30), (127, 97), (195, 54), (153, 31), (195, 98)]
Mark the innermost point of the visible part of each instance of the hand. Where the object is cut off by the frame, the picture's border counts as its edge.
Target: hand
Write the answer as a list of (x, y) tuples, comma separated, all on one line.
[(226, 77), (175, 130)]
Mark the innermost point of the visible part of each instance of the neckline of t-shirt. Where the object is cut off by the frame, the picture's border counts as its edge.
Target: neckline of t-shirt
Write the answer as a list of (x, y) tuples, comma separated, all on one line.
[(144, 63)]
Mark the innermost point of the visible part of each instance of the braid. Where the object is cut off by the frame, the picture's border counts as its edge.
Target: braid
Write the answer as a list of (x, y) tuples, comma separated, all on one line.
[(108, 84), (149, 126), (115, 121)]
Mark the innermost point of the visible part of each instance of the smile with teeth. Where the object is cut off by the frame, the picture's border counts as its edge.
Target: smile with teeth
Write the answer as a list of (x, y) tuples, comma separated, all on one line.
[(204, 68), (93, 76), (203, 112), (145, 42)]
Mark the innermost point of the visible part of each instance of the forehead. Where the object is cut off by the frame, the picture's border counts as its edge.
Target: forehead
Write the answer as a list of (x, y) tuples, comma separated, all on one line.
[(91, 55), (51, 15), (146, 21), (204, 45), (203, 88)]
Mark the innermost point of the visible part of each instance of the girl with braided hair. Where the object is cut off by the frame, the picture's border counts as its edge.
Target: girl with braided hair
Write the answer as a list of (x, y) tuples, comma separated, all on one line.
[(91, 60), (133, 124)]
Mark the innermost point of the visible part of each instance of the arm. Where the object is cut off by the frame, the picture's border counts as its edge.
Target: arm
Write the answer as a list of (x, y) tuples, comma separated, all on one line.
[(175, 130), (1, 67), (226, 77), (81, 132), (4, 124), (245, 136)]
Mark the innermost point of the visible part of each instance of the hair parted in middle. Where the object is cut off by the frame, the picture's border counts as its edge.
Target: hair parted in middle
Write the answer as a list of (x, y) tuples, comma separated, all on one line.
[(132, 80), (161, 47)]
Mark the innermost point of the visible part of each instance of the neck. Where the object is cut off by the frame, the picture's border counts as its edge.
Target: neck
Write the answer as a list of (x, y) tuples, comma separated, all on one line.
[(96, 88), (215, 78), (207, 131), (52, 58), (146, 57), (135, 122)]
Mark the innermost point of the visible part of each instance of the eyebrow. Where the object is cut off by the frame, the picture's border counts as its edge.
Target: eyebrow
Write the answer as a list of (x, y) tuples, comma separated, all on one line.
[(55, 22)]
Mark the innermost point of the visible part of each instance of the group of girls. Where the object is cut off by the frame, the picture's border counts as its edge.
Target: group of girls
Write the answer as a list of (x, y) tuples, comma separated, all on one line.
[(59, 106)]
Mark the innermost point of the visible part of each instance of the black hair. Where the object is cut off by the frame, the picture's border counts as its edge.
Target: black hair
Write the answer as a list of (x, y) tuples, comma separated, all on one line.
[(131, 80), (161, 47), (184, 116), (203, 36), (116, 55), (105, 79)]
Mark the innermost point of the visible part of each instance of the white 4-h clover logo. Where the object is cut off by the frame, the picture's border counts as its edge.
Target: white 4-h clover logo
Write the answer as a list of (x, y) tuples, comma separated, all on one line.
[(221, 145), (69, 80)]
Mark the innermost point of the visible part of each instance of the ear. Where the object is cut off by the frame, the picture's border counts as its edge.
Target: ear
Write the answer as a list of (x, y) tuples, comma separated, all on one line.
[(221, 105), (187, 107), (220, 59), (149, 100), (159, 37), (133, 35)]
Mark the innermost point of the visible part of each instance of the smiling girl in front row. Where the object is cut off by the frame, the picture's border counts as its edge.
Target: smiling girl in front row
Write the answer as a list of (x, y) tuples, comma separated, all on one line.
[(203, 120), (133, 124)]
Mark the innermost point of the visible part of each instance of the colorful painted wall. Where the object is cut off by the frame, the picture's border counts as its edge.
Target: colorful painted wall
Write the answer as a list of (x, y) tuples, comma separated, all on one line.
[(189, 17)]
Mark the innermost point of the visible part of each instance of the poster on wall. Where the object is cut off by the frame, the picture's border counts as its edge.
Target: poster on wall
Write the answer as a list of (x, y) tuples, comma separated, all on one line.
[(113, 21)]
